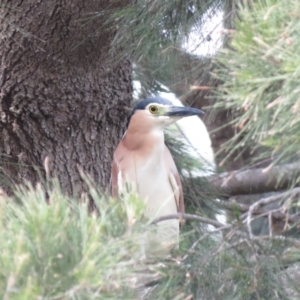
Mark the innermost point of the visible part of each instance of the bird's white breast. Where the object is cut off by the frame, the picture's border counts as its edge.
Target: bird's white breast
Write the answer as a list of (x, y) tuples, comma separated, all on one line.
[(150, 178)]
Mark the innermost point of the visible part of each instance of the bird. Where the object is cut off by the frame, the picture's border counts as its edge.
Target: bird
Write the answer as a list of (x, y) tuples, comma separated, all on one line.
[(143, 162)]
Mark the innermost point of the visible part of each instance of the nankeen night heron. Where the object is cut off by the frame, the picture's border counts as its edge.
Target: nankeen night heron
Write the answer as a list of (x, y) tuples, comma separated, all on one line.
[(143, 162)]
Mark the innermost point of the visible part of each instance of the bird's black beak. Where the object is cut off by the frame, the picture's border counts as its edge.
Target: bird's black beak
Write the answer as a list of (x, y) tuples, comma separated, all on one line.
[(181, 111)]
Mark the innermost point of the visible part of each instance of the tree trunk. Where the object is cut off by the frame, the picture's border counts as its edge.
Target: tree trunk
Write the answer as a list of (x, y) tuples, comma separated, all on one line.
[(62, 96)]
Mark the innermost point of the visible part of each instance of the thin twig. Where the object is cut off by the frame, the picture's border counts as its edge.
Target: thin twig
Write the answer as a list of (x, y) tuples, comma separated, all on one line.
[(188, 217), (265, 201)]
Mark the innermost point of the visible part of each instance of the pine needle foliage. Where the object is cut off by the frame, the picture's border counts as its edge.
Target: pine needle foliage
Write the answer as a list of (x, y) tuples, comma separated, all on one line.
[(228, 268), (261, 74), (53, 248), (145, 27), (60, 251)]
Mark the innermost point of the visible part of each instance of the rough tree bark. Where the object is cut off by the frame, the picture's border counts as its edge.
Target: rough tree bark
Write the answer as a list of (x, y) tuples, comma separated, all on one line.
[(61, 95)]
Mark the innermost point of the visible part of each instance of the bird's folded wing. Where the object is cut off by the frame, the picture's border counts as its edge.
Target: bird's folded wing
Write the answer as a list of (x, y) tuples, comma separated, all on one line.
[(175, 181)]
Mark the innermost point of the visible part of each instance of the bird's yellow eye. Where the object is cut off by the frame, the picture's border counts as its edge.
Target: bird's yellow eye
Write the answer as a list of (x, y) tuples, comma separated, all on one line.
[(153, 109)]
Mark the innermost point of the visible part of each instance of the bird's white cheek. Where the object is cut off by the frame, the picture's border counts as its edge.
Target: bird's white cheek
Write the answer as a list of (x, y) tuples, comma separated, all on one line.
[(165, 121)]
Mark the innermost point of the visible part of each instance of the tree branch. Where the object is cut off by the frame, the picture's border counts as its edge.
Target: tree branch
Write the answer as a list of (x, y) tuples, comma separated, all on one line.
[(256, 180), (276, 213), (255, 206)]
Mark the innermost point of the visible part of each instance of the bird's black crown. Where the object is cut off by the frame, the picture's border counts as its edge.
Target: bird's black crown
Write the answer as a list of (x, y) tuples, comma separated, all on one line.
[(143, 104)]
